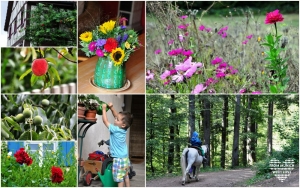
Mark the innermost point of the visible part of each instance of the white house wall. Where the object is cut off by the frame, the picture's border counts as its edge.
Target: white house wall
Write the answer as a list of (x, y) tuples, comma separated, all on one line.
[(98, 131), (16, 14)]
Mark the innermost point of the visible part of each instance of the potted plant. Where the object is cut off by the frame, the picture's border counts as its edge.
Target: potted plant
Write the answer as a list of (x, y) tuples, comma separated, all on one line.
[(91, 107), (81, 106)]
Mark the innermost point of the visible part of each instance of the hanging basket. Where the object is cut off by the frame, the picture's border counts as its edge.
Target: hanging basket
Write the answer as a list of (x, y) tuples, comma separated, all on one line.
[(109, 76)]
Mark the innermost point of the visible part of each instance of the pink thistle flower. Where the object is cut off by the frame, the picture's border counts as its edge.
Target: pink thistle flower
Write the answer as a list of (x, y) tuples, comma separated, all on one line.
[(273, 17), (183, 17), (249, 36), (217, 60), (183, 26), (202, 27), (256, 92), (224, 35), (220, 75), (165, 74), (198, 89), (245, 42), (187, 53), (243, 90), (157, 51)]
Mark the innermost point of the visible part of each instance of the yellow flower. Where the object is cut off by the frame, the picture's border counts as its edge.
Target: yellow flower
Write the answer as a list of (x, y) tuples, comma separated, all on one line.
[(127, 45), (86, 36), (258, 39), (262, 53), (117, 55), (107, 26), (8, 156)]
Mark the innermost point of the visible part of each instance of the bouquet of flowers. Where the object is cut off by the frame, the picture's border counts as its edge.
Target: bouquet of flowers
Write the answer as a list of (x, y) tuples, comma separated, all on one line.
[(111, 40)]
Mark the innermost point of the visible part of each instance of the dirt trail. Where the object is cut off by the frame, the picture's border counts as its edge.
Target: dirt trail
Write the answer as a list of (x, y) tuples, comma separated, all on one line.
[(228, 178)]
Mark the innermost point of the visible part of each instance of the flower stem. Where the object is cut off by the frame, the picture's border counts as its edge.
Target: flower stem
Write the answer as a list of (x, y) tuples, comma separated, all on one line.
[(275, 29)]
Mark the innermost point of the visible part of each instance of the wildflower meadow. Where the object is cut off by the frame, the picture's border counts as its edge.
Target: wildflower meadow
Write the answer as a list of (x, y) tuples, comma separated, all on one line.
[(237, 51)]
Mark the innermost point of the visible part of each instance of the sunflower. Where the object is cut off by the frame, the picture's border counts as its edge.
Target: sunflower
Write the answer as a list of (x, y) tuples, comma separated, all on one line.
[(107, 26), (117, 55), (86, 36)]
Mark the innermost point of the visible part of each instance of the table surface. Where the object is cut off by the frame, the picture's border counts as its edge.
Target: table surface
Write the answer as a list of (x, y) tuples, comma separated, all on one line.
[(135, 73)]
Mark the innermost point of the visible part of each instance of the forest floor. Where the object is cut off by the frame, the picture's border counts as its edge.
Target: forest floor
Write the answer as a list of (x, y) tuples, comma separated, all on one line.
[(227, 178)]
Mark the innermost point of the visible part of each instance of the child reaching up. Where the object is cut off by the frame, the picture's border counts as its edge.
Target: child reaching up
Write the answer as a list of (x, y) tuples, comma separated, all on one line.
[(118, 146)]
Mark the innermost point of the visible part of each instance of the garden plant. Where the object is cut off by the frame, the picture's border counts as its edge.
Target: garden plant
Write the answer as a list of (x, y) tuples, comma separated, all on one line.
[(25, 69), (38, 117), (238, 51), (43, 168)]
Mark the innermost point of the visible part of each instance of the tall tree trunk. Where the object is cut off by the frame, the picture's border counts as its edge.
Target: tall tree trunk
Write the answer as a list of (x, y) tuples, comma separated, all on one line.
[(206, 124), (235, 149), (171, 136), (224, 131), (245, 131), (151, 147), (253, 130), (270, 126), (191, 114)]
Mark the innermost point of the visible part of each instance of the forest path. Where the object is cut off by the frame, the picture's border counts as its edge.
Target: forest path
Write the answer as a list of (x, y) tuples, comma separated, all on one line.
[(227, 178)]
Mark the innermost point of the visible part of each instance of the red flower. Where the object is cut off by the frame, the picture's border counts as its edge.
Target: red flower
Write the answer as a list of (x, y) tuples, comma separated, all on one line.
[(273, 17), (111, 44), (57, 175), (22, 157)]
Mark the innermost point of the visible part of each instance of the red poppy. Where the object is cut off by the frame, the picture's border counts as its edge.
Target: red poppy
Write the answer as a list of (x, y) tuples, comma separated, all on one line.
[(111, 44), (57, 175), (273, 17), (22, 157)]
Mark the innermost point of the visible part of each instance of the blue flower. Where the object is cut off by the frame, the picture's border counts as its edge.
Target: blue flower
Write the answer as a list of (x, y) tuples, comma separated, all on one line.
[(101, 42), (125, 37)]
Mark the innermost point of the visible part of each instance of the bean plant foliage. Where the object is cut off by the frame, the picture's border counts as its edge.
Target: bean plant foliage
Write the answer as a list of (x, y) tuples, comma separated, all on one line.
[(38, 117), (51, 25), (191, 52)]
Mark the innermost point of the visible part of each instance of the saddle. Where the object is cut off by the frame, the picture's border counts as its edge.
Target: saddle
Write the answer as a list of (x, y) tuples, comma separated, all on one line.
[(197, 148)]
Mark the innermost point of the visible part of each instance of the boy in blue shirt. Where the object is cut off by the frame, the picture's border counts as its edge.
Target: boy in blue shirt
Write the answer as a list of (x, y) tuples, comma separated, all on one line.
[(118, 146)]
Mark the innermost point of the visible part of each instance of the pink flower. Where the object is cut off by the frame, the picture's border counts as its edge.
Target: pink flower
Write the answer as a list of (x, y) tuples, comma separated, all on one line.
[(217, 60), (243, 90), (178, 78), (165, 74), (220, 75), (210, 81), (202, 27), (172, 72), (183, 17), (167, 82), (249, 36), (187, 53), (256, 92), (157, 51), (186, 34), (175, 52), (245, 42), (99, 53), (183, 26), (149, 75), (170, 42), (92, 46), (181, 38), (224, 35), (208, 30), (273, 17), (198, 89)]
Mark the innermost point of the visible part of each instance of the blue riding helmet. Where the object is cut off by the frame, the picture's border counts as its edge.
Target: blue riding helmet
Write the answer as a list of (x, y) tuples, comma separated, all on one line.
[(195, 140)]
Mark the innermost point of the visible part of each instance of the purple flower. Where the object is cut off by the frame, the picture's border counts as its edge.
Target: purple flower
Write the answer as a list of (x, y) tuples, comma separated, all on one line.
[(245, 42), (102, 42), (202, 27), (186, 34), (183, 26), (123, 27), (222, 65), (172, 72), (210, 81), (243, 90), (224, 35), (220, 75), (99, 53), (222, 32), (149, 75), (198, 89), (167, 82), (157, 51), (171, 42), (217, 60), (165, 74), (249, 36), (208, 30), (125, 37), (183, 17), (232, 70), (256, 92), (118, 38), (92, 46), (175, 52)]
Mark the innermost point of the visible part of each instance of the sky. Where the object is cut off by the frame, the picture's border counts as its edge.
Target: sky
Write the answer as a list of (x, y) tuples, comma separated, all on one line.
[(3, 34)]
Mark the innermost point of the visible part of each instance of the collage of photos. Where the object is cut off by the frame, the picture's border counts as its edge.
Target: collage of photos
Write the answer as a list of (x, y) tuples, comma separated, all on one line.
[(149, 93)]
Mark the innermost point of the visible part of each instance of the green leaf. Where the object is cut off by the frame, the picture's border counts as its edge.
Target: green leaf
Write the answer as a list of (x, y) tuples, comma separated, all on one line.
[(25, 74), (273, 89), (12, 122), (5, 127), (33, 79), (54, 71), (26, 136), (52, 60), (34, 55)]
